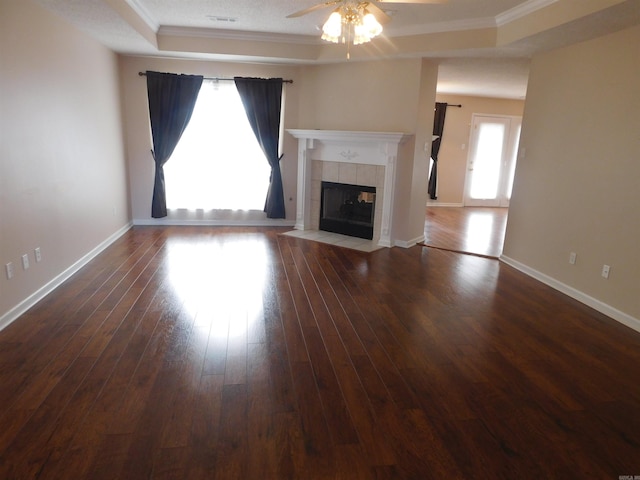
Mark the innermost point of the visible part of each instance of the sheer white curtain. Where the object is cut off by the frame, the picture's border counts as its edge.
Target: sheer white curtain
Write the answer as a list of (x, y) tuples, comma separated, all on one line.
[(218, 163)]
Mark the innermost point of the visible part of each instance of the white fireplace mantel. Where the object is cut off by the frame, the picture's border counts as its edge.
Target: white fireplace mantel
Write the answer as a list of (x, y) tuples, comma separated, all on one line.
[(366, 148)]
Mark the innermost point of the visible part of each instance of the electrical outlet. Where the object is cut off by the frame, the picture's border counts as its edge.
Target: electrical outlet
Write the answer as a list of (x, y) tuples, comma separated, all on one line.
[(572, 258), (605, 271), (38, 254), (9, 269), (25, 261)]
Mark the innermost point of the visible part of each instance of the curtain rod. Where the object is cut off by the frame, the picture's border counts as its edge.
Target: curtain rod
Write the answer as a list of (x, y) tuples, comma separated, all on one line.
[(216, 79), (451, 105)]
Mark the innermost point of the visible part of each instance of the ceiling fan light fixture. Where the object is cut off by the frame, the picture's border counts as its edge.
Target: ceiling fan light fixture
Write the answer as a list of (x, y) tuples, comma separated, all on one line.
[(371, 25), (332, 28), (364, 24), (360, 34)]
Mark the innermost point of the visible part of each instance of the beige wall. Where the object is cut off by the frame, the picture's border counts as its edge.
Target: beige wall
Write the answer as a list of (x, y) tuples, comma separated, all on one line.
[(452, 158), (379, 96), (63, 183), (423, 135), (576, 189)]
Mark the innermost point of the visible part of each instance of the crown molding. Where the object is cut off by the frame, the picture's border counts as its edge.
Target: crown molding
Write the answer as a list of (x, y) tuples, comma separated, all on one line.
[(223, 34), (144, 14), (499, 20), (521, 10), (454, 26), (443, 27)]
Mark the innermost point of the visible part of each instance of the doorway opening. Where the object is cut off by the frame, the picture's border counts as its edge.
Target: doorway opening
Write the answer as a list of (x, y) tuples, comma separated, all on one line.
[(478, 227)]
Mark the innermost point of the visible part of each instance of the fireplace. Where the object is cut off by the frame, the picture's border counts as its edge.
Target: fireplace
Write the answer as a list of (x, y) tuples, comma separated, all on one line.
[(352, 158), (347, 209)]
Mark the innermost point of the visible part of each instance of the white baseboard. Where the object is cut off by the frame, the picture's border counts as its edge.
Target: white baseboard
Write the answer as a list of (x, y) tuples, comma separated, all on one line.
[(582, 297), (214, 223), (408, 243), (45, 290), (435, 203)]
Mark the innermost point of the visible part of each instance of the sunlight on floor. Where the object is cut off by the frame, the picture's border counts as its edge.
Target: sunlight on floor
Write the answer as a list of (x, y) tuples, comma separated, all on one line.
[(220, 283), (474, 230), (478, 231)]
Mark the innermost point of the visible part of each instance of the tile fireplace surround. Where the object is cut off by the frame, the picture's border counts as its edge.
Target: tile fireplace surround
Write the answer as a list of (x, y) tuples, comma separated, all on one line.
[(360, 158)]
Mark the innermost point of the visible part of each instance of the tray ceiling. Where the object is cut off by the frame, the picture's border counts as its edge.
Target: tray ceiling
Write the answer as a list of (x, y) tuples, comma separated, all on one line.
[(483, 46)]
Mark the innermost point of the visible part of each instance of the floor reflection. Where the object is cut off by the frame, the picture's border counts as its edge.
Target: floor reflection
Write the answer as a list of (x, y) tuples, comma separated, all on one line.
[(477, 230), (220, 281)]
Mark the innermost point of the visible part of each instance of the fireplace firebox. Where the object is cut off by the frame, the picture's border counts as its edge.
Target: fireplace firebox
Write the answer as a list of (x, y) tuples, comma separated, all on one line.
[(347, 209)]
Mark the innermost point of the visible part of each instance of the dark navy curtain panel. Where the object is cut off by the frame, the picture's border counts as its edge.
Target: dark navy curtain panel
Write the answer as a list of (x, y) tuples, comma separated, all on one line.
[(262, 100), (171, 101), (438, 127)]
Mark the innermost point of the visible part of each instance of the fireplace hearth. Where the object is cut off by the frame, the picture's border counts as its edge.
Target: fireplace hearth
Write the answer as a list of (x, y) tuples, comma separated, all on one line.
[(347, 209)]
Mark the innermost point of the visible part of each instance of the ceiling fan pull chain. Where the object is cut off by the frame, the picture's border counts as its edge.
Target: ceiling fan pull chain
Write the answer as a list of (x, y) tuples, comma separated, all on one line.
[(348, 28)]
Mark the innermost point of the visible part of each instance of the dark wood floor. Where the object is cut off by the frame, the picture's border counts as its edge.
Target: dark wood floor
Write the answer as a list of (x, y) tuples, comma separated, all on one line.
[(477, 230), (242, 354)]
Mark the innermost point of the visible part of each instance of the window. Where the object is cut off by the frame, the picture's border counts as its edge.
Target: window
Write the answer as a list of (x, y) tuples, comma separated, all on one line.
[(218, 163)]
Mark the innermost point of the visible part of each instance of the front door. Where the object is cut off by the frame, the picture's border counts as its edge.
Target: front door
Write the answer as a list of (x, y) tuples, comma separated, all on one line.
[(492, 160)]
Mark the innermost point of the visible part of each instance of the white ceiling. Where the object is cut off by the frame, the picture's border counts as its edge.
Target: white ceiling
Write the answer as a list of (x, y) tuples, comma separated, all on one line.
[(136, 27)]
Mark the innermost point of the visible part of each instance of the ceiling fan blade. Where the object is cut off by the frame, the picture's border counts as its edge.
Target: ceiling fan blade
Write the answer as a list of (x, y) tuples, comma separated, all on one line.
[(313, 9), (412, 1), (377, 12)]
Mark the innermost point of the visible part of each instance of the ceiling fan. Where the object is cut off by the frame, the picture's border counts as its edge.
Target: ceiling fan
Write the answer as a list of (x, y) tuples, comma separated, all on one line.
[(370, 5), (355, 20)]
